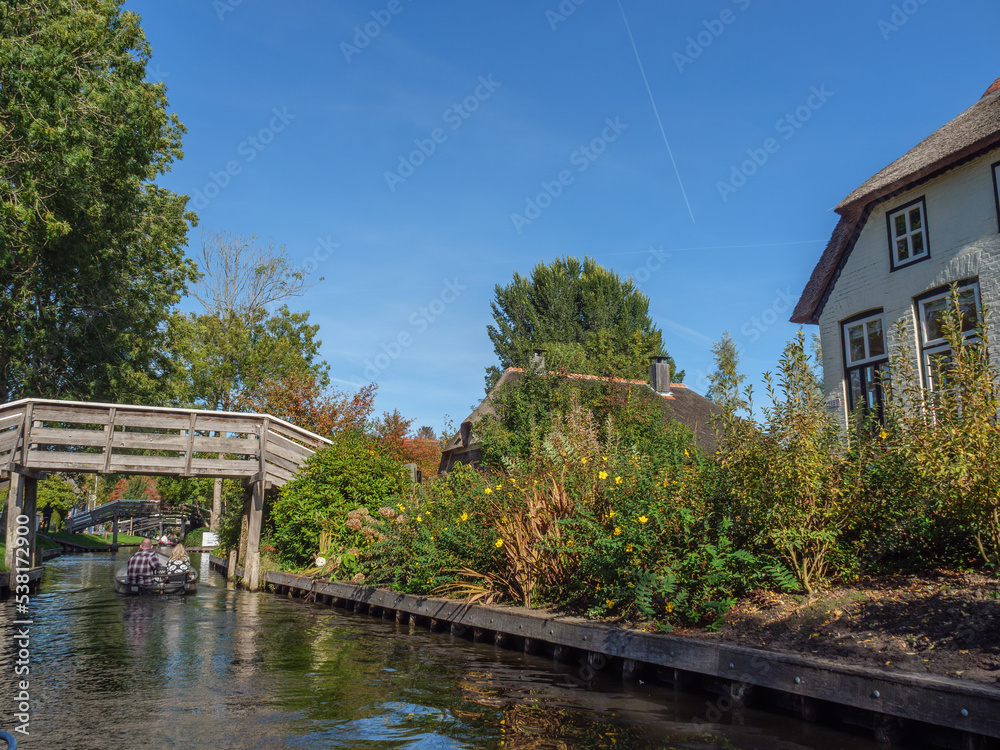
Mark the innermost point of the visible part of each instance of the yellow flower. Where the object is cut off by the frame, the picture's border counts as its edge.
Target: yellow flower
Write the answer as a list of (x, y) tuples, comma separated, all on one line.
[(583, 460), (602, 475), (612, 514), (419, 519), (604, 458), (618, 530), (488, 491), (643, 519), (883, 435), (669, 607), (686, 453), (618, 480), (569, 543), (498, 543), (608, 603), (628, 547)]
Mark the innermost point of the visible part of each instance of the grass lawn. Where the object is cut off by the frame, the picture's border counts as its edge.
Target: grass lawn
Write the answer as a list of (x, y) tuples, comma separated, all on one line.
[(94, 540), (41, 541)]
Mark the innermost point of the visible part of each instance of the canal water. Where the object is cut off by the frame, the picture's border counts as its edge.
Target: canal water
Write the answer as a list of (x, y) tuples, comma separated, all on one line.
[(230, 669)]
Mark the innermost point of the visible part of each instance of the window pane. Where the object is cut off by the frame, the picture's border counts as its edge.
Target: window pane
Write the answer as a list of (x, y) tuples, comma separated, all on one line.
[(932, 319), (876, 343), (854, 386), (915, 218), (902, 250), (918, 243), (967, 304), (900, 225), (856, 342), (871, 387)]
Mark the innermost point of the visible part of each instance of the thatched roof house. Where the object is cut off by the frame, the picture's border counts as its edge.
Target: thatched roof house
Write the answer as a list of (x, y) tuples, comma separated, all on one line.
[(973, 133), (928, 220), (678, 402)]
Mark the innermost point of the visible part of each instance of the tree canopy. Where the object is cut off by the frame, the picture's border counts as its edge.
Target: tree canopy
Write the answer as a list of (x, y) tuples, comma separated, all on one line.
[(586, 318), (91, 258)]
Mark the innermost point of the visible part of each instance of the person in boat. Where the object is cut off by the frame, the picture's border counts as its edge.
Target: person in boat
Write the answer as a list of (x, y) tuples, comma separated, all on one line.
[(179, 561), (143, 564)]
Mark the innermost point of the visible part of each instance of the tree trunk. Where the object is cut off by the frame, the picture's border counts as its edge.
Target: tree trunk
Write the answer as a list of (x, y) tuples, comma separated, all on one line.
[(213, 524)]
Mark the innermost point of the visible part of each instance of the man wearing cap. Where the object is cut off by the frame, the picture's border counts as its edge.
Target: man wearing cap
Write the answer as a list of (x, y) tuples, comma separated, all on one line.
[(143, 564)]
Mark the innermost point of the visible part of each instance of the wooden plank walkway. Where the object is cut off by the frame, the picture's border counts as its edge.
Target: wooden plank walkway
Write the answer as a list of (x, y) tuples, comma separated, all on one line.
[(883, 700)]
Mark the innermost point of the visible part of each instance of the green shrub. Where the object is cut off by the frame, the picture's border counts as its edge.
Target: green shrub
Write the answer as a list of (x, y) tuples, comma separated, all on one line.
[(194, 537), (795, 480), (355, 472)]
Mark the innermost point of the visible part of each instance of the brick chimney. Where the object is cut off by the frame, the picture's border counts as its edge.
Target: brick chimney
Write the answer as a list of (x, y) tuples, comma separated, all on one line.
[(659, 375)]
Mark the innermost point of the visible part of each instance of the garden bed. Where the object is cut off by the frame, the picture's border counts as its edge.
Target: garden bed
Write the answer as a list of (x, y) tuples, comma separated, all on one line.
[(940, 623)]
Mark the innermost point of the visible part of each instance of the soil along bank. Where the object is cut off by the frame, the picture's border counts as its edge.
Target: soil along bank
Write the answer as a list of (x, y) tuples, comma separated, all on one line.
[(943, 623), (890, 703)]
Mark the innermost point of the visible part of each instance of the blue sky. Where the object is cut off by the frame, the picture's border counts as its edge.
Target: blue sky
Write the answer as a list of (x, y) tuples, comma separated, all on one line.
[(416, 154)]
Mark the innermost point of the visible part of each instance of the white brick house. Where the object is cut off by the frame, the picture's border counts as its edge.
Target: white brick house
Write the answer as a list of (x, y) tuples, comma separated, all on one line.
[(929, 219)]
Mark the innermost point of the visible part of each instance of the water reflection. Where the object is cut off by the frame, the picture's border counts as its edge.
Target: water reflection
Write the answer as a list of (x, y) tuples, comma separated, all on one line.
[(229, 669)]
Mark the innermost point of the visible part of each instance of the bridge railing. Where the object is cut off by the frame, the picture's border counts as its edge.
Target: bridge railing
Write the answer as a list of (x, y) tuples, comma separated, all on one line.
[(47, 435)]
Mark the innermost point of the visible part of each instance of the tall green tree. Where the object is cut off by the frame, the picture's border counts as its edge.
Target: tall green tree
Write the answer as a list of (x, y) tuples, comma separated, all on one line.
[(726, 383), (586, 318), (232, 356), (91, 258)]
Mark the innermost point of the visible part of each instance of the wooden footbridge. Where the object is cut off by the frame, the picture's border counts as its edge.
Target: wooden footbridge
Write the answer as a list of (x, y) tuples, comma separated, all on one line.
[(40, 435)]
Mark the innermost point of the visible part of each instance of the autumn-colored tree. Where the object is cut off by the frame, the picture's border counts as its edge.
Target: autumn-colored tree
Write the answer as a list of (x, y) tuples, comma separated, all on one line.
[(301, 398), (426, 454), (152, 491), (392, 429), (120, 490)]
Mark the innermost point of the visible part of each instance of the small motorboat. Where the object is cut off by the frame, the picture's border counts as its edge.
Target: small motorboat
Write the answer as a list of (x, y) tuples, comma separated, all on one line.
[(160, 583)]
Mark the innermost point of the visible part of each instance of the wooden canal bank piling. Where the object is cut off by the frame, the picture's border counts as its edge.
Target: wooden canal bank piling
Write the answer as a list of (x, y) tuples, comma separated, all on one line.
[(893, 706), (41, 435)]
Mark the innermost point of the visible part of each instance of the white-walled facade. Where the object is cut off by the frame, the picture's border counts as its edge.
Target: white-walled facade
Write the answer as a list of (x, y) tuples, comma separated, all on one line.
[(943, 231)]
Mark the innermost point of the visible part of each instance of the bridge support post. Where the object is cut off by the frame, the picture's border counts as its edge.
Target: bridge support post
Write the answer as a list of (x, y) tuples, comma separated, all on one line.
[(114, 533), (21, 501), (255, 513)]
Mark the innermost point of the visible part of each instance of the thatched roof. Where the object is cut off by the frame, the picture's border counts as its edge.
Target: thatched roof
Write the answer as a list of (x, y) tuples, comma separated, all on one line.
[(972, 133), (682, 404)]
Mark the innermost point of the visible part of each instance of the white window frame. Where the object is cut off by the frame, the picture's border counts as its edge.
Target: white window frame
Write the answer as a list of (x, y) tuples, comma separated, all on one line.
[(930, 347), (895, 262), (863, 322), (870, 361)]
